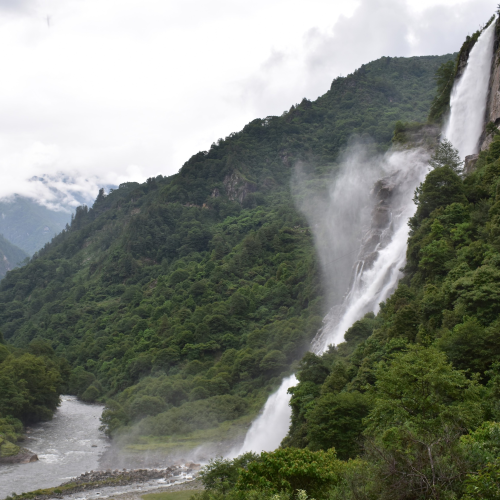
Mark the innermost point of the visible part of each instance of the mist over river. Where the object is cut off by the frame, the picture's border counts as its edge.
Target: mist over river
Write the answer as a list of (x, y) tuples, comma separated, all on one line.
[(70, 444)]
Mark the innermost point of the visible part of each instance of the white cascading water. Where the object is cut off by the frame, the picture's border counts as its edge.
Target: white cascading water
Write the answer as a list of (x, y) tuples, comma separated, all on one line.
[(469, 95), (266, 432), (370, 284), (383, 249)]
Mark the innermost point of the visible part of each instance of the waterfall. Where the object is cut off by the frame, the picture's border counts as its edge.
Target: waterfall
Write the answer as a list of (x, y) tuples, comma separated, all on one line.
[(266, 432), (382, 251), (469, 95), (375, 273)]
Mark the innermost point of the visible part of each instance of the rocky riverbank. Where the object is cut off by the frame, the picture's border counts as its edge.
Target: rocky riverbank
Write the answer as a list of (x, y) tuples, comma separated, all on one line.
[(193, 486), (114, 478), (24, 456)]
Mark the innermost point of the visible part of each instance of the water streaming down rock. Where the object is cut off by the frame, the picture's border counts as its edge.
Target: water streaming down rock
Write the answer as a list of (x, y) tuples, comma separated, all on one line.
[(374, 277), (266, 432), (382, 253), (469, 96)]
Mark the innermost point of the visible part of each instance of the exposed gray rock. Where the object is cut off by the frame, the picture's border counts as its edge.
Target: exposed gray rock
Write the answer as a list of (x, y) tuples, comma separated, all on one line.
[(238, 187), (23, 457), (470, 164), (493, 103)]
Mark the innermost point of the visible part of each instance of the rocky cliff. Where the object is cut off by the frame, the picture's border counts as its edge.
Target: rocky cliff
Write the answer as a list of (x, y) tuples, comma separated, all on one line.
[(492, 114)]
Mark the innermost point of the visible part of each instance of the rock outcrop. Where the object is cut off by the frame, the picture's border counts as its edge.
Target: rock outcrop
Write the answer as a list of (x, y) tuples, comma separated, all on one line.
[(493, 103), (238, 187), (470, 164), (23, 457)]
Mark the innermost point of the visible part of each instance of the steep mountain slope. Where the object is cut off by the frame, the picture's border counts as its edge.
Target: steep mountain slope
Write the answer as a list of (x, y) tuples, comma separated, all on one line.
[(10, 256), (186, 297), (29, 225)]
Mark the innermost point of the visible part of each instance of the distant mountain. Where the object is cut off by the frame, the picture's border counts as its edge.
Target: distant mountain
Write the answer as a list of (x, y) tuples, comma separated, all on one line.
[(29, 225), (10, 256)]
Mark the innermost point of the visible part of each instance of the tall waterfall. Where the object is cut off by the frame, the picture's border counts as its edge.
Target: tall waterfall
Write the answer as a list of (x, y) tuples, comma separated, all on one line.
[(382, 249), (469, 95), (382, 252), (375, 274)]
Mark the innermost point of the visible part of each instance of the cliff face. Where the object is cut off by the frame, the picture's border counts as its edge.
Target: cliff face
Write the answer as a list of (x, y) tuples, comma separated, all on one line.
[(492, 112), (493, 104), (238, 187)]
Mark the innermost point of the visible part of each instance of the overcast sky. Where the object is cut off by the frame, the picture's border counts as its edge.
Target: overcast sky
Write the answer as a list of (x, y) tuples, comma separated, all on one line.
[(99, 92)]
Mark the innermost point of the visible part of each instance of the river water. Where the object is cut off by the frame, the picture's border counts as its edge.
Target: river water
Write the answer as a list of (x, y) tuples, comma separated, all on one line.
[(70, 444)]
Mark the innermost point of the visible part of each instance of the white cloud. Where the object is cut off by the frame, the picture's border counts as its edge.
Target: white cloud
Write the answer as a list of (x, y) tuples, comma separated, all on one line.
[(99, 93)]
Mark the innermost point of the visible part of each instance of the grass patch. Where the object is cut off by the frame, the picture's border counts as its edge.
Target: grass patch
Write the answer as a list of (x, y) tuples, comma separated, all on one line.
[(172, 495), (226, 431)]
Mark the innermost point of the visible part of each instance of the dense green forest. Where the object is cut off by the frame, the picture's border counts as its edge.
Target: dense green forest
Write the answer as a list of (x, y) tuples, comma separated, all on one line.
[(182, 301)]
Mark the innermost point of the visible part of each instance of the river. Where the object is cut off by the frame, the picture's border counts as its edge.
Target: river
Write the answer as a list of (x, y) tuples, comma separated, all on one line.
[(70, 444)]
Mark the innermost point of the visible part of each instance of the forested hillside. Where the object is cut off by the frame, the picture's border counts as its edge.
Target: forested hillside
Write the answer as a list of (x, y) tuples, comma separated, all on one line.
[(185, 298)]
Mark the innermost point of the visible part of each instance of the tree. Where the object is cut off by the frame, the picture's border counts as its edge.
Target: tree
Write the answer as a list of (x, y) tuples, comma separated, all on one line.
[(221, 474), (422, 406), (446, 155), (336, 421), (291, 470), (441, 187)]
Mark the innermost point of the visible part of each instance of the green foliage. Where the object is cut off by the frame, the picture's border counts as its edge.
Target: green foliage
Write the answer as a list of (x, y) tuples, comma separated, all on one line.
[(170, 495), (29, 387), (221, 475), (422, 406), (291, 470), (422, 390), (441, 187), (485, 484), (491, 129), (445, 77), (336, 421), (446, 155), (7, 449), (30, 384)]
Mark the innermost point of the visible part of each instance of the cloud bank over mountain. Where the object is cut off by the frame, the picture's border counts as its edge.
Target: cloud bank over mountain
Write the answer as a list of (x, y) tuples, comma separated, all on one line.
[(96, 94)]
